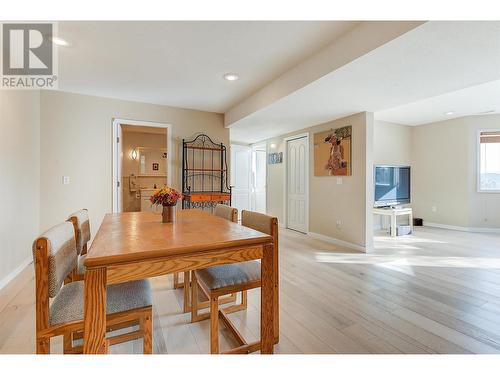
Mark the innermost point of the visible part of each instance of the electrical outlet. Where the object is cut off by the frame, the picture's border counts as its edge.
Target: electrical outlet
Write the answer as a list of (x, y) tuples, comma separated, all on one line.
[(434, 208), (339, 224), (66, 180), (339, 180)]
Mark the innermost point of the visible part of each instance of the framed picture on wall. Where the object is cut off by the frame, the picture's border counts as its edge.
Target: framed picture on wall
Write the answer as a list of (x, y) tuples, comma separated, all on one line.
[(156, 166), (275, 158), (332, 152)]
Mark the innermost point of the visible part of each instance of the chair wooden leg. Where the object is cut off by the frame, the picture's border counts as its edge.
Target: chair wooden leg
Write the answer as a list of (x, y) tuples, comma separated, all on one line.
[(147, 331), (177, 284), (230, 298), (238, 307), (222, 301), (67, 343), (195, 303), (78, 335), (214, 325), (194, 298), (244, 299), (186, 291), (42, 346)]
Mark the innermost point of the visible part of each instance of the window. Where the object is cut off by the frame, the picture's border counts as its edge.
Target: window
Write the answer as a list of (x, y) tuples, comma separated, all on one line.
[(489, 161)]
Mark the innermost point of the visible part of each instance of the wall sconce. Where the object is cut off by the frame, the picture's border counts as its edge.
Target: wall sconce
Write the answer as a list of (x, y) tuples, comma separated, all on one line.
[(272, 145), (134, 154)]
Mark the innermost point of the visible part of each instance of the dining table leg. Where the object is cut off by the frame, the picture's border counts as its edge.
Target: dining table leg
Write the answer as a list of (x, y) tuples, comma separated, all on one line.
[(94, 339), (267, 300)]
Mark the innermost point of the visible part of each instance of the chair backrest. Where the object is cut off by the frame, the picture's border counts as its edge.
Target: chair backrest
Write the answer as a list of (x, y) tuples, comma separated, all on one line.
[(269, 225), (54, 255), (57, 249), (262, 223), (80, 220), (226, 212)]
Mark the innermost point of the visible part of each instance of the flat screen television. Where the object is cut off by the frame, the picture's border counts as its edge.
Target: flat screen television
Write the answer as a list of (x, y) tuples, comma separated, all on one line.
[(392, 185)]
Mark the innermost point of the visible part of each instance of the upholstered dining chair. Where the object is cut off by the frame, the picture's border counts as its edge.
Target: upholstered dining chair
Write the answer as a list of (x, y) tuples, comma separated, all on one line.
[(232, 278), (55, 256), (81, 223), (225, 212)]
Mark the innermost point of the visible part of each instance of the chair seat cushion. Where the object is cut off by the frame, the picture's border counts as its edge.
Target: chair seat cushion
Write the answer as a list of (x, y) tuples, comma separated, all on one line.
[(67, 306), (81, 266), (217, 277)]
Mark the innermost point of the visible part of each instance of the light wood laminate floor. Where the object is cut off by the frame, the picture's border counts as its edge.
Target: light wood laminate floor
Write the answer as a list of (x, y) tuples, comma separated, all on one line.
[(436, 291)]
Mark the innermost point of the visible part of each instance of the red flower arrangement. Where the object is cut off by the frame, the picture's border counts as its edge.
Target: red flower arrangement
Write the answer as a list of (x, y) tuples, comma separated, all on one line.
[(165, 197)]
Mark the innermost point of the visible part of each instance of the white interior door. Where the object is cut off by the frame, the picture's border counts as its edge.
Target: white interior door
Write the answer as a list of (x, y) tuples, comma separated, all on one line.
[(241, 161), (297, 174), (259, 164)]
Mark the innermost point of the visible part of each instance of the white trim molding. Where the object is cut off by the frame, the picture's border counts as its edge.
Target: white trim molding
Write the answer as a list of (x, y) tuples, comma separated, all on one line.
[(462, 229), (338, 242), (11, 276)]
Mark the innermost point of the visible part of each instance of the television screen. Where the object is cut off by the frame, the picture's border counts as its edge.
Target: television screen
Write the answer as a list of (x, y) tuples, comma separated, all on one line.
[(392, 185)]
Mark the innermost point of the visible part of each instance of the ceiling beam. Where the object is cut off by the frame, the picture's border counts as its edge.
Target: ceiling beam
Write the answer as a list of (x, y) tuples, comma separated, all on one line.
[(366, 37)]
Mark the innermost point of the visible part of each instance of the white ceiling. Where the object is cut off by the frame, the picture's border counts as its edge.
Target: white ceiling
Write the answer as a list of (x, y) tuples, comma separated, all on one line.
[(475, 100), (182, 63), (432, 60)]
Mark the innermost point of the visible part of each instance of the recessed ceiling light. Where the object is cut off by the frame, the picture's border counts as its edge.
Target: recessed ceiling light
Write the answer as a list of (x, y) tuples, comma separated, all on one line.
[(231, 76), (449, 113), (59, 41)]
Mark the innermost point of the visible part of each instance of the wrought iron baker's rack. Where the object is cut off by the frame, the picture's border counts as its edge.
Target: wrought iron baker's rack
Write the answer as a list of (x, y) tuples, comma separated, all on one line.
[(204, 173)]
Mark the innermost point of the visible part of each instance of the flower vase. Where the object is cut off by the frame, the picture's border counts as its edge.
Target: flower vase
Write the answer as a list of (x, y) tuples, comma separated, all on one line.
[(168, 214)]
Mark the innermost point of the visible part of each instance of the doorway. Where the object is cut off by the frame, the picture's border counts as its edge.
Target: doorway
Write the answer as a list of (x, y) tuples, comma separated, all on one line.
[(297, 183), (141, 163), (249, 177), (259, 178)]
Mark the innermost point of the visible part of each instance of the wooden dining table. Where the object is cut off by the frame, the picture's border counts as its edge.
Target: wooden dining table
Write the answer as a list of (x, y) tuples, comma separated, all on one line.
[(137, 245)]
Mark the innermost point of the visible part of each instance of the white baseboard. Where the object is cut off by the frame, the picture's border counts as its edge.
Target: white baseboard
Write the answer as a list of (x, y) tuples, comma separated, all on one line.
[(462, 229), (7, 279), (336, 241)]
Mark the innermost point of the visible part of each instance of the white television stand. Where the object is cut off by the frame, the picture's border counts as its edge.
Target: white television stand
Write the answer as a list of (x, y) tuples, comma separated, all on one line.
[(394, 212)]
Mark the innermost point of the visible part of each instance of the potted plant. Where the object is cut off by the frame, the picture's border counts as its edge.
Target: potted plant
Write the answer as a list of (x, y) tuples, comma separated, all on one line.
[(166, 197)]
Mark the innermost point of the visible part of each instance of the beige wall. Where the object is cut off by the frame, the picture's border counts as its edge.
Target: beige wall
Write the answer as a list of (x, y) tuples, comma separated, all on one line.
[(275, 181), (76, 142), (444, 158), (19, 178), (328, 201), (392, 143), (133, 140)]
